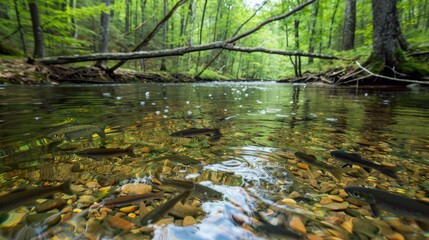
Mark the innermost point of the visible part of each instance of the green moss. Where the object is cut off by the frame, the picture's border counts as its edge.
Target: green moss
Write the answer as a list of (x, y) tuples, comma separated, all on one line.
[(414, 69)]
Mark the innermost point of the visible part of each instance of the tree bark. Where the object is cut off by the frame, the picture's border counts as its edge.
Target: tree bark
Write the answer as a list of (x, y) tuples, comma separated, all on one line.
[(313, 31), (39, 42), (349, 25), (385, 34), (332, 23), (164, 36), (104, 34), (201, 35)]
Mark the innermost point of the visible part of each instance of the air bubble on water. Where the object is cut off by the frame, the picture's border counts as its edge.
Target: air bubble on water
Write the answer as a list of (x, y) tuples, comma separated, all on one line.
[(189, 113), (246, 94), (142, 103), (147, 95), (106, 94), (37, 118), (158, 112), (118, 98), (166, 110), (153, 104), (187, 102)]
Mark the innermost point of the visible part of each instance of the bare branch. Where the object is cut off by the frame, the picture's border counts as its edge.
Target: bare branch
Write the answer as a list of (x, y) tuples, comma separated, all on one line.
[(390, 78), (173, 52)]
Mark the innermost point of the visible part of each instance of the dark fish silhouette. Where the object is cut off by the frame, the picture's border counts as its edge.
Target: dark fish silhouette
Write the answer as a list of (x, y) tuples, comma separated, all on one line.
[(75, 132), (355, 159), (397, 204), (23, 197), (99, 153), (312, 160), (214, 133), (163, 209)]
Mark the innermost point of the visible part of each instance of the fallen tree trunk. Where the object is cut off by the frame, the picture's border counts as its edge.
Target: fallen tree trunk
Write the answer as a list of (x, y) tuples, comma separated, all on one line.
[(173, 52), (226, 44)]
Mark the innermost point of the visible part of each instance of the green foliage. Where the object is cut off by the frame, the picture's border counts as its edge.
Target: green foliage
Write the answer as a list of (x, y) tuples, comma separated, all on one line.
[(75, 29)]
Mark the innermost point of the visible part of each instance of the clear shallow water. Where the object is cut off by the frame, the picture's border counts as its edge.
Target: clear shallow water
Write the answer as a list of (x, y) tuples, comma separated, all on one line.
[(253, 164)]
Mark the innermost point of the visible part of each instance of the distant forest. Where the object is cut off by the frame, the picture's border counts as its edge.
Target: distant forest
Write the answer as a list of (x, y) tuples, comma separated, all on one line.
[(330, 27)]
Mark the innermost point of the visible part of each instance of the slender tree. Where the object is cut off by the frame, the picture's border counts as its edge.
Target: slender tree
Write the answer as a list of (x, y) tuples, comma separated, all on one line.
[(349, 25), (313, 30), (21, 31), (164, 36), (332, 23), (39, 42), (104, 30)]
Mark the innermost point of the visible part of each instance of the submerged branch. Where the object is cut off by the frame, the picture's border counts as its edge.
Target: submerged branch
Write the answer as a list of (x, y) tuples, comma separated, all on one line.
[(390, 78)]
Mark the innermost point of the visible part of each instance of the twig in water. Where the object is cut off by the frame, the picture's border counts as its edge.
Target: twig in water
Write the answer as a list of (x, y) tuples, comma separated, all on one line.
[(390, 78)]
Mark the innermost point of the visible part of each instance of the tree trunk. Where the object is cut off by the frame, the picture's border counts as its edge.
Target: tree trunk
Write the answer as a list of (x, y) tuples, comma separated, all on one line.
[(386, 47), (73, 19), (201, 35), (21, 30), (349, 25), (39, 42), (313, 30), (104, 36), (164, 36), (127, 17), (332, 23)]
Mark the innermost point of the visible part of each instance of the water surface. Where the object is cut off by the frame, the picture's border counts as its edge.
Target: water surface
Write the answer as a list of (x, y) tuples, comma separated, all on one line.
[(253, 164)]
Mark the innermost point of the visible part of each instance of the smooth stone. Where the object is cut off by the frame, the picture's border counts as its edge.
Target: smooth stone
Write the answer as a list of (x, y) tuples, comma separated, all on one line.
[(188, 221), (352, 212), (86, 199), (395, 236), (120, 223), (165, 221), (325, 200), (296, 224), (136, 188), (361, 225), (179, 210), (49, 205), (128, 209), (143, 210), (337, 206), (326, 187), (303, 166), (294, 195), (336, 198), (105, 180)]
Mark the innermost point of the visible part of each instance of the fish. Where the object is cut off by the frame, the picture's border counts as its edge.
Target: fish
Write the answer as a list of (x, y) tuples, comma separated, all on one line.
[(355, 159), (176, 158), (132, 198), (395, 203), (312, 160), (200, 191), (275, 231), (163, 209), (75, 132), (100, 153), (23, 197), (214, 133)]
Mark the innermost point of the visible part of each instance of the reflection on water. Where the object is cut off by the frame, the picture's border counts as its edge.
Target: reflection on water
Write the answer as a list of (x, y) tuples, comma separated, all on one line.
[(252, 165)]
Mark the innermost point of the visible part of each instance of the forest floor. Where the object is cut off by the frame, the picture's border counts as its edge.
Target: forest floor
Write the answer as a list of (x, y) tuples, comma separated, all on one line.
[(19, 71), (14, 71)]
